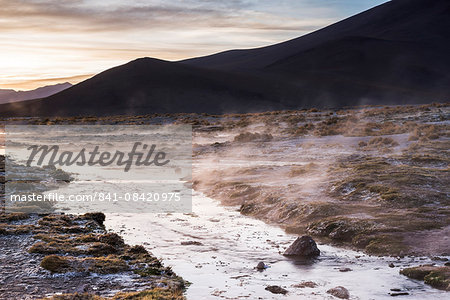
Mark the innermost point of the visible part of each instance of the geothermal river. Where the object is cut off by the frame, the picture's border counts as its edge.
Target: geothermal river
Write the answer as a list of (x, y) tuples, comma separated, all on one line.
[(225, 246), (223, 266)]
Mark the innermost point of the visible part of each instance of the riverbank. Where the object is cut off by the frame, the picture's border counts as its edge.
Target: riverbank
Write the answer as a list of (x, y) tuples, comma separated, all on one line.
[(374, 179), (63, 257)]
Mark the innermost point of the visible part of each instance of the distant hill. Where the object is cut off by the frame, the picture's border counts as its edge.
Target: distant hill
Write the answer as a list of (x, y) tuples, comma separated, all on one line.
[(395, 53), (7, 96)]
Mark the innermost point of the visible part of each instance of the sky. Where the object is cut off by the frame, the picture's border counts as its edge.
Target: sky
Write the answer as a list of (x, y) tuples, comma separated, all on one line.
[(51, 41)]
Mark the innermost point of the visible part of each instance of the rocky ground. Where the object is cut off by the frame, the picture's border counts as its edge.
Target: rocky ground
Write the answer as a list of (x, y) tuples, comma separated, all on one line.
[(55, 256), (73, 257)]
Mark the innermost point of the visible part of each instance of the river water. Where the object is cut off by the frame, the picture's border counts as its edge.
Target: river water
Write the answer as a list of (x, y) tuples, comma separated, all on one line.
[(223, 265)]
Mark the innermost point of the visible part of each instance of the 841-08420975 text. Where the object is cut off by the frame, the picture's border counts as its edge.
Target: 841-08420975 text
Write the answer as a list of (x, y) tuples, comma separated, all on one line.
[(98, 196)]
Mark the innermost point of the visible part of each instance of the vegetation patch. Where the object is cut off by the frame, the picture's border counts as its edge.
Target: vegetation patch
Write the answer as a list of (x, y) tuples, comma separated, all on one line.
[(436, 276), (56, 264), (152, 294), (11, 217), (302, 170), (8, 229), (253, 137), (341, 229), (382, 244)]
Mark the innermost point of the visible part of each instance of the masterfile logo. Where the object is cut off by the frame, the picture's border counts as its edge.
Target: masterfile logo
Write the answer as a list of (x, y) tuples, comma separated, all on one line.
[(98, 168)]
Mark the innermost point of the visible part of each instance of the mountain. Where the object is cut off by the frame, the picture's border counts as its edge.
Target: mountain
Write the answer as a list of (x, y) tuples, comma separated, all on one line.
[(8, 96), (395, 53), (423, 21), (148, 85)]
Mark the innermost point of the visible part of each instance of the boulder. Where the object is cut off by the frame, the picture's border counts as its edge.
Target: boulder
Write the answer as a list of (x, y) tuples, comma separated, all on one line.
[(303, 246)]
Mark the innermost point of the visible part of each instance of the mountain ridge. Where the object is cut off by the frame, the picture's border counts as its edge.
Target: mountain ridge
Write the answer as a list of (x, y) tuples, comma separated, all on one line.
[(10, 95), (358, 22)]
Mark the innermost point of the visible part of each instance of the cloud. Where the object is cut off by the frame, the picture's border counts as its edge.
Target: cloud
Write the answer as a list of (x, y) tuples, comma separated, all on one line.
[(49, 15)]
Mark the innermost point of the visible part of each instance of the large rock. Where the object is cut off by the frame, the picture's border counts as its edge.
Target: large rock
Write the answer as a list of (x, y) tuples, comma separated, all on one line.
[(303, 246)]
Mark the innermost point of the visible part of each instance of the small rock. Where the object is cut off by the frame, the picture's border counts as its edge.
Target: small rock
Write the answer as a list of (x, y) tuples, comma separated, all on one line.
[(275, 289), (345, 270), (303, 246), (396, 290), (305, 284), (399, 294), (391, 265), (339, 292), (439, 258), (195, 243), (261, 266)]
